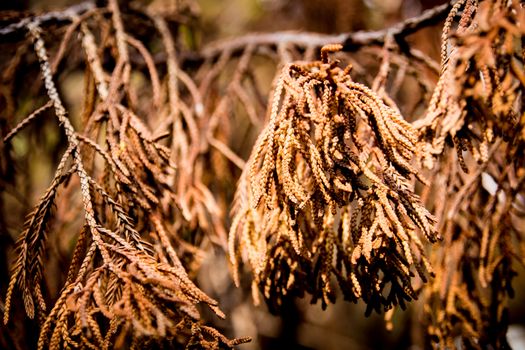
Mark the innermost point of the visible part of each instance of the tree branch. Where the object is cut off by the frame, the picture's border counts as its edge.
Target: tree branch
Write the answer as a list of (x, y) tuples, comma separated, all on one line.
[(350, 41), (66, 15)]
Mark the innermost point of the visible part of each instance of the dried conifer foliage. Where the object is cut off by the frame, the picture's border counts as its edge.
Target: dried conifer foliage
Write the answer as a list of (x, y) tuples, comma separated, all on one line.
[(127, 284), (477, 93), (478, 103), (348, 188), (327, 193)]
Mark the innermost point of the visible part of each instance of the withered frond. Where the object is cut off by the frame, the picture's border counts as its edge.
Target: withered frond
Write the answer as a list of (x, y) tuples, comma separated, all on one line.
[(477, 105), (475, 100), (329, 194), (128, 282)]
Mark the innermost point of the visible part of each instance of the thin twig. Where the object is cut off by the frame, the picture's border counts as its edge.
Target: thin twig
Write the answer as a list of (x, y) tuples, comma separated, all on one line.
[(27, 121)]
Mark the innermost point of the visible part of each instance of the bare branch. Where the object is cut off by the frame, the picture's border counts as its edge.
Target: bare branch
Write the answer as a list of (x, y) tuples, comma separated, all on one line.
[(350, 41), (66, 15)]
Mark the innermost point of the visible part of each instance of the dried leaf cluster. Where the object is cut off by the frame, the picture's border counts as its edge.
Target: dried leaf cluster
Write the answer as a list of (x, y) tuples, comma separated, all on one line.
[(327, 193), (476, 96), (127, 284), (478, 103)]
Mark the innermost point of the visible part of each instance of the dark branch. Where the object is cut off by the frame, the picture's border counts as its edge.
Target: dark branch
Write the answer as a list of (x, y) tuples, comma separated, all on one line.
[(350, 41), (66, 15)]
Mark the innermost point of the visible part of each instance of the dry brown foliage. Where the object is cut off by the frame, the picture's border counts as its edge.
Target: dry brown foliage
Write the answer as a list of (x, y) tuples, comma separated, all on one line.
[(327, 192), (368, 178), (478, 103), (122, 288)]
